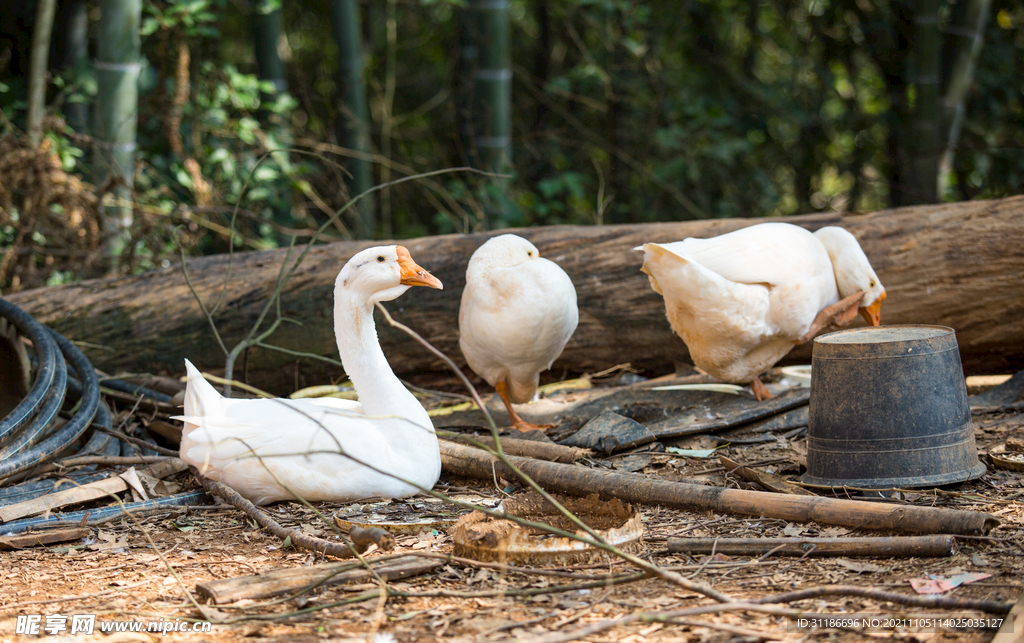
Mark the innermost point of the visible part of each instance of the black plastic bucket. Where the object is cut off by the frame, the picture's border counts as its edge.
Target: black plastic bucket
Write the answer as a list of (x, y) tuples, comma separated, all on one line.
[(889, 409)]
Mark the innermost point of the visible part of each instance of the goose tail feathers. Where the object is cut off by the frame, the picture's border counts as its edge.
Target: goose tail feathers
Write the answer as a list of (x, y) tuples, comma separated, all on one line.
[(201, 399)]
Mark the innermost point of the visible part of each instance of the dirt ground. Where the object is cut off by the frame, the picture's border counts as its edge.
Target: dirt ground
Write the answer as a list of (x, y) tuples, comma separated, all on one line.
[(146, 570)]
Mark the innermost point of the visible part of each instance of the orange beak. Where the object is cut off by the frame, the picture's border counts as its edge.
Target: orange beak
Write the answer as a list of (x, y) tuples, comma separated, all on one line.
[(412, 274), (873, 314)]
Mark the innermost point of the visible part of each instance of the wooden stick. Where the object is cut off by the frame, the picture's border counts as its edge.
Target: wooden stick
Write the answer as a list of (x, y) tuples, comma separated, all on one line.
[(899, 547), (43, 537), (339, 549), (282, 581), (577, 480), (532, 449), (141, 400), (766, 480)]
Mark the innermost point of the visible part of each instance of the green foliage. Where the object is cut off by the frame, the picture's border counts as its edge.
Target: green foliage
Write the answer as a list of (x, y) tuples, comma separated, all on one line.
[(193, 18), (623, 112)]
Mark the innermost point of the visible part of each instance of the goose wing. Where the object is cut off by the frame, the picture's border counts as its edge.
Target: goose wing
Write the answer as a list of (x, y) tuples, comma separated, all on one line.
[(775, 254)]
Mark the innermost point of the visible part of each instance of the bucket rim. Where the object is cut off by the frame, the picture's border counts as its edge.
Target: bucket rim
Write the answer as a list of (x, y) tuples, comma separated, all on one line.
[(932, 480), (872, 342)]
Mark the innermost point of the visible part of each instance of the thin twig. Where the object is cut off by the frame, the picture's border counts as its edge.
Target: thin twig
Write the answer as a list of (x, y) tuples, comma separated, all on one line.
[(140, 443), (263, 519), (595, 540), (80, 597)]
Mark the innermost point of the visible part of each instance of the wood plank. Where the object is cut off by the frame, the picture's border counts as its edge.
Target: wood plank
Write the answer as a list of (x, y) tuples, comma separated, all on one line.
[(86, 492), (92, 491), (46, 537)]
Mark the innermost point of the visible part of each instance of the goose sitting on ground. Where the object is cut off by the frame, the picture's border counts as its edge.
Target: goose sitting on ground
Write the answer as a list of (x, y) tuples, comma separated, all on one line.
[(517, 313), (270, 449), (742, 300)]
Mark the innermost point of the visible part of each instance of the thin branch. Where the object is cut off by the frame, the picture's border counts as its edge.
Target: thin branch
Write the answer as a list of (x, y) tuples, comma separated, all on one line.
[(263, 519), (595, 540)]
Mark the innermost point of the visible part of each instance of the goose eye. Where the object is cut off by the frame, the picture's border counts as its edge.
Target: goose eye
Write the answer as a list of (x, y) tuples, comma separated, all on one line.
[(380, 259), (872, 283), (529, 253)]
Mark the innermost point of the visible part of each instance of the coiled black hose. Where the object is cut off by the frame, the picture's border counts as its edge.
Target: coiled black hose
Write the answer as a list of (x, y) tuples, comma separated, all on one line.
[(21, 454), (27, 431), (45, 372), (29, 436)]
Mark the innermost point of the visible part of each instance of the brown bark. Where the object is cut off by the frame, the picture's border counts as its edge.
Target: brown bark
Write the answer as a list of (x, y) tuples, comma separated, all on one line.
[(959, 265), (577, 480)]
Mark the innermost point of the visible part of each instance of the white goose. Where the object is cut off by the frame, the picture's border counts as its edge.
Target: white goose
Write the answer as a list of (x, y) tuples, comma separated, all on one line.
[(517, 313), (742, 300), (298, 441)]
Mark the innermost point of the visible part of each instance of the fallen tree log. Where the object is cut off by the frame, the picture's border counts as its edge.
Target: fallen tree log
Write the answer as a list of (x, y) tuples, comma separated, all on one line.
[(958, 264)]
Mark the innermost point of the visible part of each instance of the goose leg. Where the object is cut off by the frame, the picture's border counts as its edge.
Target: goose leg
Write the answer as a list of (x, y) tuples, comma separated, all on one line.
[(840, 313), (760, 390), (518, 423)]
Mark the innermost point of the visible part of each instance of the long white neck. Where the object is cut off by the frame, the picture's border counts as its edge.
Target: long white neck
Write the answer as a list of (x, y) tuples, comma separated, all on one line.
[(380, 391)]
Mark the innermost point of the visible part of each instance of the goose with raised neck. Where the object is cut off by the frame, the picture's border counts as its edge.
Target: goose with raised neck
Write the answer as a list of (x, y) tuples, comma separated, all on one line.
[(298, 441)]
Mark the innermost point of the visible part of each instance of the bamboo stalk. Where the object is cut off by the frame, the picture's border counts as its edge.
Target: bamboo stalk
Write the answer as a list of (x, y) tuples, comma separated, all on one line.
[(924, 175), (938, 545), (577, 480), (267, 33), (968, 35), (117, 75), (353, 119), (73, 48), (492, 81), (282, 581), (37, 74)]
